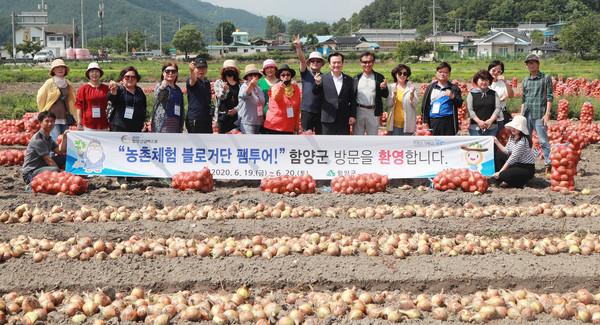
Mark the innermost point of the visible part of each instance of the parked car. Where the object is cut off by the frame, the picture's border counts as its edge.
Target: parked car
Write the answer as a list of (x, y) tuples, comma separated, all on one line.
[(43, 56)]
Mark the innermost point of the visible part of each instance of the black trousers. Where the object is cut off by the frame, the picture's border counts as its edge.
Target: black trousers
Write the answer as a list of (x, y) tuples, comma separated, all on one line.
[(443, 126), (311, 121), (198, 126), (226, 122), (516, 175)]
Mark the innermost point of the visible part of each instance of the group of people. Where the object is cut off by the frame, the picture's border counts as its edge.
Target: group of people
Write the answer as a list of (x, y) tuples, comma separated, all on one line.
[(486, 104), (269, 101)]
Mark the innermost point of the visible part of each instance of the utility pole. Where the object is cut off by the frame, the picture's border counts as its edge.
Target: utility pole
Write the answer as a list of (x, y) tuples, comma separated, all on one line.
[(14, 46), (73, 39), (222, 45), (434, 30), (145, 41), (101, 15), (401, 33), (43, 7), (126, 40), (160, 34), (179, 26), (82, 34)]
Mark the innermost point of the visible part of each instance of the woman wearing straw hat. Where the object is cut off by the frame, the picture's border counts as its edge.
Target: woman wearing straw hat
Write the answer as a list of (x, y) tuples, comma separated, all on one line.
[(269, 70), (515, 164), (251, 102), (91, 101), (227, 89), (283, 116), (58, 96)]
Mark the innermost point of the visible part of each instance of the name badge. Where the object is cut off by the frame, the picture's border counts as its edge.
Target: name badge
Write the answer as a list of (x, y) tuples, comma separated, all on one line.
[(177, 110), (290, 112), (259, 111), (436, 108), (128, 112), (95, 112)]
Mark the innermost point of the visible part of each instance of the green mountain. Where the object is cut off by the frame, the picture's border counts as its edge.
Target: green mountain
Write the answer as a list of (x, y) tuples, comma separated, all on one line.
[(142, 15), (472, 15)]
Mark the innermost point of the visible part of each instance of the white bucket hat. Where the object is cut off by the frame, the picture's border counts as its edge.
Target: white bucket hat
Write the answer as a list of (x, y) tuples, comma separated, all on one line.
[(91, 66), (316, 55), (519, 122)]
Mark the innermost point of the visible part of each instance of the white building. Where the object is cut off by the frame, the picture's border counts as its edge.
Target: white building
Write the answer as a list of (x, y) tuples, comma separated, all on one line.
[(504, 44), (387, 39), (240, 46), (453, 41)]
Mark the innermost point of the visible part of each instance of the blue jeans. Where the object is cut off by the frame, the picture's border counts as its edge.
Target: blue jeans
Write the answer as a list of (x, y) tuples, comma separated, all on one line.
[(493, 132), (58, 130), (398, 131), (542, 133)]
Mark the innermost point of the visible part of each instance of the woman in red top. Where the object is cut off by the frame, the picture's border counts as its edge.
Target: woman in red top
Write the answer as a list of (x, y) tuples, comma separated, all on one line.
[(283, 116), (91, 101)]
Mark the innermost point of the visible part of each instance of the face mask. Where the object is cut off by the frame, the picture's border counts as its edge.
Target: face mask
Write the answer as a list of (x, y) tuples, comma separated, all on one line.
[(287, 82), (229, 73)]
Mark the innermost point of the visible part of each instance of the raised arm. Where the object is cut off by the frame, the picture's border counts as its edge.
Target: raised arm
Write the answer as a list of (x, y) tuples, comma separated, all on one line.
[(301, 57)]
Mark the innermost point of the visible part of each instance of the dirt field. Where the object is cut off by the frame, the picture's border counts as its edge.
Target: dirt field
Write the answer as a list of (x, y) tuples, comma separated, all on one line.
[(429, 274)]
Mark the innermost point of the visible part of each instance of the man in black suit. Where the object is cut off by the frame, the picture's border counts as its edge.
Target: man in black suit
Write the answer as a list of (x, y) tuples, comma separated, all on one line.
[(339, 98), (370, 87)]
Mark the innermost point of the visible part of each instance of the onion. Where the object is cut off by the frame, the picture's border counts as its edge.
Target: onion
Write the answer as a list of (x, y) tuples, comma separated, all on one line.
[(440, 313), (296, 316), (584, 296), (129, 314), (161, 319), (79, 318)]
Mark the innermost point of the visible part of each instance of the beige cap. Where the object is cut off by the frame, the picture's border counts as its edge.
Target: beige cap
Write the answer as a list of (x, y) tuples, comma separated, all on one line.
[(58, 63), (229, 64), (251, 69)]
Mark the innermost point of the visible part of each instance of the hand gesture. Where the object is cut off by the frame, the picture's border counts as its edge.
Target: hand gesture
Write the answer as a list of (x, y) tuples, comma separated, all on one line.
[(297, 43), (383, 84), (226, 87), (253, 81), (192, 66), (412, 91), (318, 77), (449, 93), (112, 85), (502, 78), (163, 84)]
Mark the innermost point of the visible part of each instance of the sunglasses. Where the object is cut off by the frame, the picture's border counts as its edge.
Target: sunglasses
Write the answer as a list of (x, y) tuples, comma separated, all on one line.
[(496, 70), (127, 77), (402, 73), (285, 75), (367, 62), (170, 71), (314, 61)]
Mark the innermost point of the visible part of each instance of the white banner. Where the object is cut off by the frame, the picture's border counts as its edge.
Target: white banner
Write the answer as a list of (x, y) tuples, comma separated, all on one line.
[(238, 156)]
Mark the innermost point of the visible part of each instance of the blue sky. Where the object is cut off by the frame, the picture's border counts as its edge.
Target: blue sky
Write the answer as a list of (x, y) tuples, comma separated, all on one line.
[(307, 10)]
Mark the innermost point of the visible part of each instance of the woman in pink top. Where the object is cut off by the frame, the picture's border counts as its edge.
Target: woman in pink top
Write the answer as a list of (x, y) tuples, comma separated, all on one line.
[(283, 116)]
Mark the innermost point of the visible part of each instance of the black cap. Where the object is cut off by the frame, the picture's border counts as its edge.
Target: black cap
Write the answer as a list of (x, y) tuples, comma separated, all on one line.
[(200, 62), (285, 67)]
